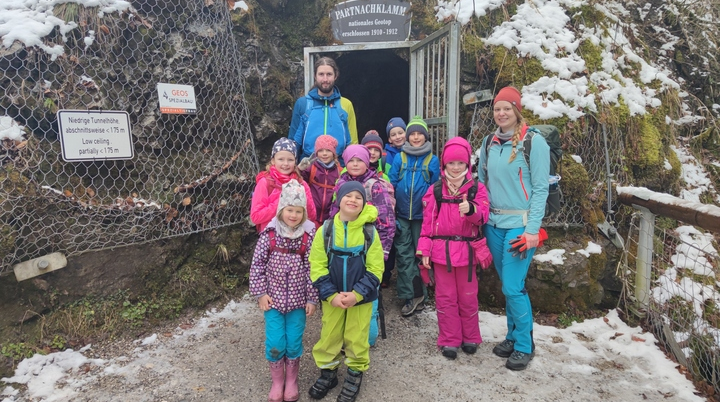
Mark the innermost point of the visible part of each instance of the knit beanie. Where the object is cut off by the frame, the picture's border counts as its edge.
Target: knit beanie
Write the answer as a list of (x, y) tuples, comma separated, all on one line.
[(394, 122), (357, 151), (372, 140), (509, 94), (349, 186), (326, 142), (455, 152), (419, 125), (292, 194), (284, 144)]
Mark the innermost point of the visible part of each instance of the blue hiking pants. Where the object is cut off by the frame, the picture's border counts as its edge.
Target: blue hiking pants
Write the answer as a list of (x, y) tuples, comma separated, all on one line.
[(512, 272), (284, 334), (374, 323)]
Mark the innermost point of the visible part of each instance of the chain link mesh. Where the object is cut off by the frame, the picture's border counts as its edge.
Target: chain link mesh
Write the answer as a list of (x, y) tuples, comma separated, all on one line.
[(190, 173), (589, 147), (684, 305)]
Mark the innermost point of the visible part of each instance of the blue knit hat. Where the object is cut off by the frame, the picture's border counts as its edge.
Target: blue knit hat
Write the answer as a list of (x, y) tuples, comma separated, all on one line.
[(394, 122), (350, 186)]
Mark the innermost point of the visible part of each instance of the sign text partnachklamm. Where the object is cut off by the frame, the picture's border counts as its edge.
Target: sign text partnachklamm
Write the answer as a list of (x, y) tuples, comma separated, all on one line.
[(358, 21)]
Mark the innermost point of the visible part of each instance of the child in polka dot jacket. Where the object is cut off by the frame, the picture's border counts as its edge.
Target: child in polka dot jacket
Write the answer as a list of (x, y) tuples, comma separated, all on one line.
[(280, 281)]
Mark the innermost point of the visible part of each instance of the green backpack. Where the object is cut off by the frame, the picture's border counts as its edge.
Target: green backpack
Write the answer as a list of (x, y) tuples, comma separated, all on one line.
[(425, 168)]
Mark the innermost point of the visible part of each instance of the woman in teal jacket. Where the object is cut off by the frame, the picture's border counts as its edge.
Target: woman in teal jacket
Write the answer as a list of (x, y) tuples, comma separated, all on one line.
[(517, 206)]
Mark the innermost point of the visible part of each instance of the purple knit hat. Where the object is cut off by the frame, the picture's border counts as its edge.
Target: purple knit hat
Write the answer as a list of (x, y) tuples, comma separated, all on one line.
[(357, 151)]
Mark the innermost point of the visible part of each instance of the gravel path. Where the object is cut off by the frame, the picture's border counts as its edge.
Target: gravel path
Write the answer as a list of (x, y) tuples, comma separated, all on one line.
[(220, 357)]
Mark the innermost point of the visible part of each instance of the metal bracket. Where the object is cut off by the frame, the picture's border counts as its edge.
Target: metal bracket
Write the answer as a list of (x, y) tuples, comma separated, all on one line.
[(477, 97), (38, 266)]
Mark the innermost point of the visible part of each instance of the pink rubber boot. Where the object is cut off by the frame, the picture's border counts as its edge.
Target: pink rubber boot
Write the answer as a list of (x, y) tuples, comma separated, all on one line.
[(277, 373), (291, 376)]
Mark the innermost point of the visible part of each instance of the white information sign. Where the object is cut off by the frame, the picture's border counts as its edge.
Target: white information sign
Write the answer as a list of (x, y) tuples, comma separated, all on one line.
[(176, 99), (89, 135)]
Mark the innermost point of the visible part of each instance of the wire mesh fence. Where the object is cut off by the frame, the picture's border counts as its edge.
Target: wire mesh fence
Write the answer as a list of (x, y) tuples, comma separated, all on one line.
[(588, 150), (680, 290), (189, 173)]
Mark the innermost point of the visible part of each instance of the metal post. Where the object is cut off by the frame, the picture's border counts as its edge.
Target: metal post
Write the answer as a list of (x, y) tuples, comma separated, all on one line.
[(644, 257)]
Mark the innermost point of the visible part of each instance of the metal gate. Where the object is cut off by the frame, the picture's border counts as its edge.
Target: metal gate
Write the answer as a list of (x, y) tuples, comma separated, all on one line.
[(434, 77), (434, 83)]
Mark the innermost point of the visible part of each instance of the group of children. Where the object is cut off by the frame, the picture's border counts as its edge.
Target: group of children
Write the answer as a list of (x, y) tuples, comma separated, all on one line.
[(329, 233)]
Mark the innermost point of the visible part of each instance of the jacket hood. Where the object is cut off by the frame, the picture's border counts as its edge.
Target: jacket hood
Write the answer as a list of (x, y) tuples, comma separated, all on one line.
[(369, 214), (307, 226), (315, 95)]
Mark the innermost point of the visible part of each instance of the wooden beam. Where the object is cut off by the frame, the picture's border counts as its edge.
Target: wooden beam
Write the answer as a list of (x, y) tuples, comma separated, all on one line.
[(701, 215)]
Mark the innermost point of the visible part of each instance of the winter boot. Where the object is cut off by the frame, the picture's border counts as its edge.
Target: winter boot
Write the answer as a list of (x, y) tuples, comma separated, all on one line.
[(351, 387), (327, 381), (292, 366), (277, 373)]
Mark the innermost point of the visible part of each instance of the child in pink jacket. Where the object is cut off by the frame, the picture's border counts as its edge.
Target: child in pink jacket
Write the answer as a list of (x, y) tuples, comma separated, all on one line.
[(454, 209), (268, 184)]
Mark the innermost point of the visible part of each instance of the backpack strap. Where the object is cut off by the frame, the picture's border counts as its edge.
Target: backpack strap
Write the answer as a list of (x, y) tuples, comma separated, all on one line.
[(437, 192), (369, 183), (426, 167), (313, 172), (527, 145), (300, 251), (329, 229)]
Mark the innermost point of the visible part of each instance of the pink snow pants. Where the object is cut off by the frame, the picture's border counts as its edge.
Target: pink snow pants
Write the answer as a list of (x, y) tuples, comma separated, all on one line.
[(456, 303)]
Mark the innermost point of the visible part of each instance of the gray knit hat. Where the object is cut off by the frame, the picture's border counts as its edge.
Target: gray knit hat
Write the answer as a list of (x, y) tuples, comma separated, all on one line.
[(292, 194)]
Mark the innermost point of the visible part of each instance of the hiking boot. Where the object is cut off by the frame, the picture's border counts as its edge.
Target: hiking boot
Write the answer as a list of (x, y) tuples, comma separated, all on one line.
[(351, 386), (420, 306), (411, 305), (519, 360), (469, 348), (449, 352), (327, 381), (504, 348)]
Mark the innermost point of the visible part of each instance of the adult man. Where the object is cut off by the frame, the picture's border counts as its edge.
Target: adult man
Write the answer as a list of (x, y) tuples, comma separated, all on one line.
[(323, 111)]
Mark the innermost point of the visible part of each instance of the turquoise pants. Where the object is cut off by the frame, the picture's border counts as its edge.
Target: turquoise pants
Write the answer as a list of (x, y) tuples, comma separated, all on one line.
[(512, 272), (284, 334)]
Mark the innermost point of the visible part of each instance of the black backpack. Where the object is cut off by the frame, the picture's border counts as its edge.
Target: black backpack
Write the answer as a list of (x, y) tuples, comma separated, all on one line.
[(552, 137)]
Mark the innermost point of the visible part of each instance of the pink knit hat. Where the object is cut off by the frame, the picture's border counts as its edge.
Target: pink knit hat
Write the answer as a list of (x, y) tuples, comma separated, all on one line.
[(356, 151), (326, 142), (456, 150), (509, 94)]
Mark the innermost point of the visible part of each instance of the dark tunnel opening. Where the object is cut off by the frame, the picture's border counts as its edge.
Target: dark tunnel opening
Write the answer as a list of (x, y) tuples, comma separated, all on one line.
[(377, 83)]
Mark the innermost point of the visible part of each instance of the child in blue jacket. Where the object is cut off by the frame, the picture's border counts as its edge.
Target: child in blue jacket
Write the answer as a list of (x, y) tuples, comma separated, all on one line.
[(413, 171)]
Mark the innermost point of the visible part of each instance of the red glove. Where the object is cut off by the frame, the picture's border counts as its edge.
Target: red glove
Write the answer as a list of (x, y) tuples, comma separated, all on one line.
[(542, 236), (519, 247)]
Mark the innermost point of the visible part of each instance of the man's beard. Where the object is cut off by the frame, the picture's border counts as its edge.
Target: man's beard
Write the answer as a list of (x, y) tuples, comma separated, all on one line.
[(326, 89)]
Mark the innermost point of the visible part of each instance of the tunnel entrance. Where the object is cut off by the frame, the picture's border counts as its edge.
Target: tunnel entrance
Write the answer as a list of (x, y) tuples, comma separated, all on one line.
[(378, 84), (407, 78)]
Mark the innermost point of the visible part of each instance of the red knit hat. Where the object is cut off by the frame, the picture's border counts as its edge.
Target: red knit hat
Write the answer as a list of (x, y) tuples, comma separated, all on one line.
[(509, 94), (326, 142)]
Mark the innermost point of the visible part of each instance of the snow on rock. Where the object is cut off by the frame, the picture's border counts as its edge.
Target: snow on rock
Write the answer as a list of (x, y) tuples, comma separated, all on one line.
[(555, 257), (540, 29), (29, 21), (592, 248), (9, 129), (241, 5), (696, 179)]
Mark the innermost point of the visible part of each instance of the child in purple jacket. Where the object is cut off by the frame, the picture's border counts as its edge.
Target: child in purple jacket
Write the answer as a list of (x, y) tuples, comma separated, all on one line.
[(454, 209), (357, 159), (280, 281)]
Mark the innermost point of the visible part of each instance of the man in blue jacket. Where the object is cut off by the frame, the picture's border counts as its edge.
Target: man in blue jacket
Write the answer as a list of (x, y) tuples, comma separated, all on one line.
[(323, 111)]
